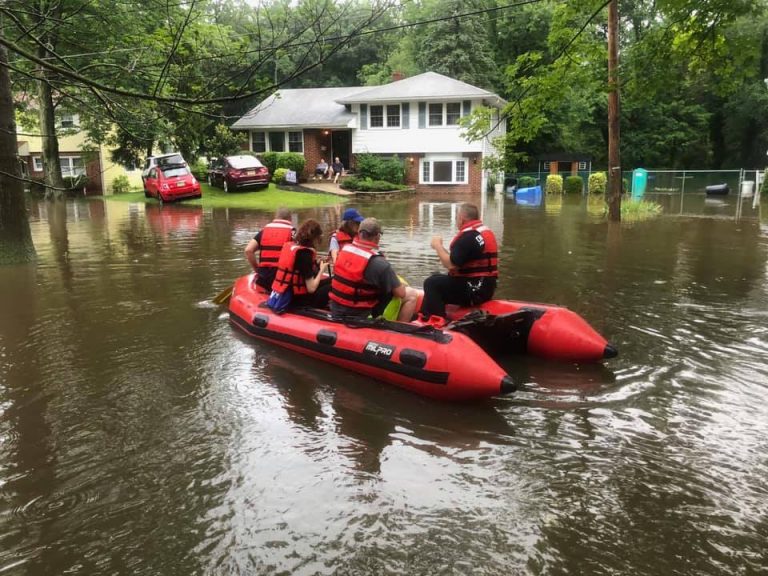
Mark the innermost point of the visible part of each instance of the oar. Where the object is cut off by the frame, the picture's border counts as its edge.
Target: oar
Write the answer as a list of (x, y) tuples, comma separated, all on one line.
[(222, 298)]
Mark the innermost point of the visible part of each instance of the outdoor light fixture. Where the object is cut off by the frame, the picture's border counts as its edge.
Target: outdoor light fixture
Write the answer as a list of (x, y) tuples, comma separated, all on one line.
[(412, 159), (325, 132)]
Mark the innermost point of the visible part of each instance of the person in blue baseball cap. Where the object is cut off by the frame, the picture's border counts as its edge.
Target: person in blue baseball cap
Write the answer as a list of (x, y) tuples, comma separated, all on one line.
[(350, 222)]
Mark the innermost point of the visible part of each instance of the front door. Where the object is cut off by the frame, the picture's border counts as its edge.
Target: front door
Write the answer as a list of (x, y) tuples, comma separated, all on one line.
[(341, 146)]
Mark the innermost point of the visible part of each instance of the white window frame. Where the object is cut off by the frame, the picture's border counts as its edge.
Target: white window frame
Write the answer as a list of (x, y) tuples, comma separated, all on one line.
[(546, 166), (300, 141), (72, 119), (253, 141), (285, 140), (582, 166), (443, 114), (427, 168), (37, 163), (385, 117), (68, 168)]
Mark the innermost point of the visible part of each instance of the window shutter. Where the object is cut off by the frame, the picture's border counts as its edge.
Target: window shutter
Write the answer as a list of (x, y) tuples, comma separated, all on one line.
[(363, 116), (406, 114), (422, 114), (467, 107)]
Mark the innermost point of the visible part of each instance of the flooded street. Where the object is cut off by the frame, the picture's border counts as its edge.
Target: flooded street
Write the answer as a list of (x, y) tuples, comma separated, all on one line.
[(140, 433)]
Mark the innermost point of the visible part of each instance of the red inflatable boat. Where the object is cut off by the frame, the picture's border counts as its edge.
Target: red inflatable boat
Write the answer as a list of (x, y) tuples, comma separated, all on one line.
[(443, 364)]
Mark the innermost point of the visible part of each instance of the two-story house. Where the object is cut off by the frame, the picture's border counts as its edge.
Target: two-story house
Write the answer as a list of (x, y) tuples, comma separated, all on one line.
[(75, 157), (414, 118)]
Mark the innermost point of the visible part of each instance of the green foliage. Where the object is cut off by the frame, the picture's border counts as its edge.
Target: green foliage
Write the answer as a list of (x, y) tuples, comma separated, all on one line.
[(597, 183), (279, 175), (638, 210), (291, 161), (75, 182), (526, 182), (374, 167), (120, 184), (574, 185), (368, 185), (200, 170), (269, 159), (225, 142), (554, 184)]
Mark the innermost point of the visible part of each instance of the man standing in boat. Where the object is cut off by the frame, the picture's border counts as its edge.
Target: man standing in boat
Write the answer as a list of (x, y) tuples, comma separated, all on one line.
[(364, 282), (269, 242), (472, 264)]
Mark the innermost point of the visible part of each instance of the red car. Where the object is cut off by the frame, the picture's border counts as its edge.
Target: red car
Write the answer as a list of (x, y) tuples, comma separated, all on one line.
[(172, 182), (232, 172)]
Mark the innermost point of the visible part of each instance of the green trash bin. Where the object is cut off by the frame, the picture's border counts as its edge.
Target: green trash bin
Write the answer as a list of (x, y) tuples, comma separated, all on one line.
[(639, 182)]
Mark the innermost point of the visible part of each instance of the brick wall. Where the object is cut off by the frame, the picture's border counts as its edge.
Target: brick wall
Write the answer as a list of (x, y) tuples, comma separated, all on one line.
[(314, 142)]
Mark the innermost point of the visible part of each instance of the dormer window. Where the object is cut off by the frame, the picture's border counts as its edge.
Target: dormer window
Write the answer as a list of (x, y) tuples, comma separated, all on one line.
[(385, 116)]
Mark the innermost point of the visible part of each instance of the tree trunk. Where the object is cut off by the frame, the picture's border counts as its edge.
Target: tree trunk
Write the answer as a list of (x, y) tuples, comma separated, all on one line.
[(50, 146), (15, 236), (614, 161)]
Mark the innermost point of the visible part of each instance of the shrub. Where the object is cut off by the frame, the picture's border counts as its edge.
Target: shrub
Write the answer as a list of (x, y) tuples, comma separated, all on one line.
[(199, 170), (554, 184), (279, 175), (574, 185), (269, 159), (290, 161), (121, 185), (373, 167), (526, 182), (369, 185), (597, 183)]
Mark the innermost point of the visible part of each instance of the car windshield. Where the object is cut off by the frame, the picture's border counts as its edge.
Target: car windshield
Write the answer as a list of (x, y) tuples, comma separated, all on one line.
[(175, 171), (241, 162)]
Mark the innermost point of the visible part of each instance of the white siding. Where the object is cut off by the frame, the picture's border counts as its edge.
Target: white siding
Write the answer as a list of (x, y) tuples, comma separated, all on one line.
[(443, 139)]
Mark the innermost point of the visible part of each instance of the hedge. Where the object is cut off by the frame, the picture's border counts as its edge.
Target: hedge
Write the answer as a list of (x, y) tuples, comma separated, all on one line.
[(526, 182), (279, 175), (574, 185), (597, 183), (290, 161), (369, 166), (369, 185), (554, 184)]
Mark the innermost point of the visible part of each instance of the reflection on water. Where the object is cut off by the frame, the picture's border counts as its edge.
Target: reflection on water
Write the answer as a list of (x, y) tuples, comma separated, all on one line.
[(140, 434)]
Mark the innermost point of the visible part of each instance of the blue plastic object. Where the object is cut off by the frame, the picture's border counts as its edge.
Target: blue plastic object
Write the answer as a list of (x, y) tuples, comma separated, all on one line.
[(528, 196)]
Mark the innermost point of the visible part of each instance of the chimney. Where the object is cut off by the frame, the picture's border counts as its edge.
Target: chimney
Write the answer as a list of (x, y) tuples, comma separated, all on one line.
[(397, 75)]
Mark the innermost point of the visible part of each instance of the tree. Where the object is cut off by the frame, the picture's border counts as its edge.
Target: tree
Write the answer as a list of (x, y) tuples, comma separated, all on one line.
[(15, 236)]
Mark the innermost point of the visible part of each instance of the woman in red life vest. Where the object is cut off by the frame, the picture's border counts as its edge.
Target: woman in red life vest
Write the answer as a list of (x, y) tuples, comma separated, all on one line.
[(472, 265), (299, 270), (269, 242), (350, 222)]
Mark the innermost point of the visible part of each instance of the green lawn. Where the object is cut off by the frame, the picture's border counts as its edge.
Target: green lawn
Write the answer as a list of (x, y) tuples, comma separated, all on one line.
[(267, 199)]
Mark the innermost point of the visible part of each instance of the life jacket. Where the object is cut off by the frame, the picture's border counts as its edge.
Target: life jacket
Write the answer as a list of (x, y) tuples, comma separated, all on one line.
[(342, 238), (273, 236), (486, 264), (348, 285), (287, 276)]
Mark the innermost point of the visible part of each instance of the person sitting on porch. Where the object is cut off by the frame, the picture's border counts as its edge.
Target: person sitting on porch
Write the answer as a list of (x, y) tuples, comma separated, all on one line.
[(337, 168), (322, 169)]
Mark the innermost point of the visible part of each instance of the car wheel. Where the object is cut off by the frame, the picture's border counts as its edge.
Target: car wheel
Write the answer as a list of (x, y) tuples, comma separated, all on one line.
[(225, 185), (147, 194)]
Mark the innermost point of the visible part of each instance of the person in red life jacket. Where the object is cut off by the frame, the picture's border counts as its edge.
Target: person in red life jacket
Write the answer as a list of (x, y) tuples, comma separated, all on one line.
[(269, 242), (364, 282), (350, 222), (472, 264), (298, 268)]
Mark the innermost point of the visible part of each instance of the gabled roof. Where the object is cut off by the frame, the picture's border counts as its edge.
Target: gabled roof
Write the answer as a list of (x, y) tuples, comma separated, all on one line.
[(326, 107), (426, 86), (308, 107)]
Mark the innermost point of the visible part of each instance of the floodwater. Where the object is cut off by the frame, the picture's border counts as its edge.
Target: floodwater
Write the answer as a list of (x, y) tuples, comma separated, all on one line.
[(141, 434)]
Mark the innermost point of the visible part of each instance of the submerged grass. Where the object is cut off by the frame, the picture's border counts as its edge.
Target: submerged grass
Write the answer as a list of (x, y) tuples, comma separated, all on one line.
[(631, 210), (266, 199)]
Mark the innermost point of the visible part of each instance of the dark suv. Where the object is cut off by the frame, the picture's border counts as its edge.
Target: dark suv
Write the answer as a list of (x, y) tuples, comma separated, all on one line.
[(233, 172)]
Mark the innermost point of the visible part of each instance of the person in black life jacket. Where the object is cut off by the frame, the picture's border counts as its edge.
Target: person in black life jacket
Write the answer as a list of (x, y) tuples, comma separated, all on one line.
[(268, 242), (472, 264), (363, 281), (350, 222), (299, 270)]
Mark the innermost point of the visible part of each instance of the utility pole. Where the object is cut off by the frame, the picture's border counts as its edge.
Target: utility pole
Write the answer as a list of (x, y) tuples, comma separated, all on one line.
[(614, 159)]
